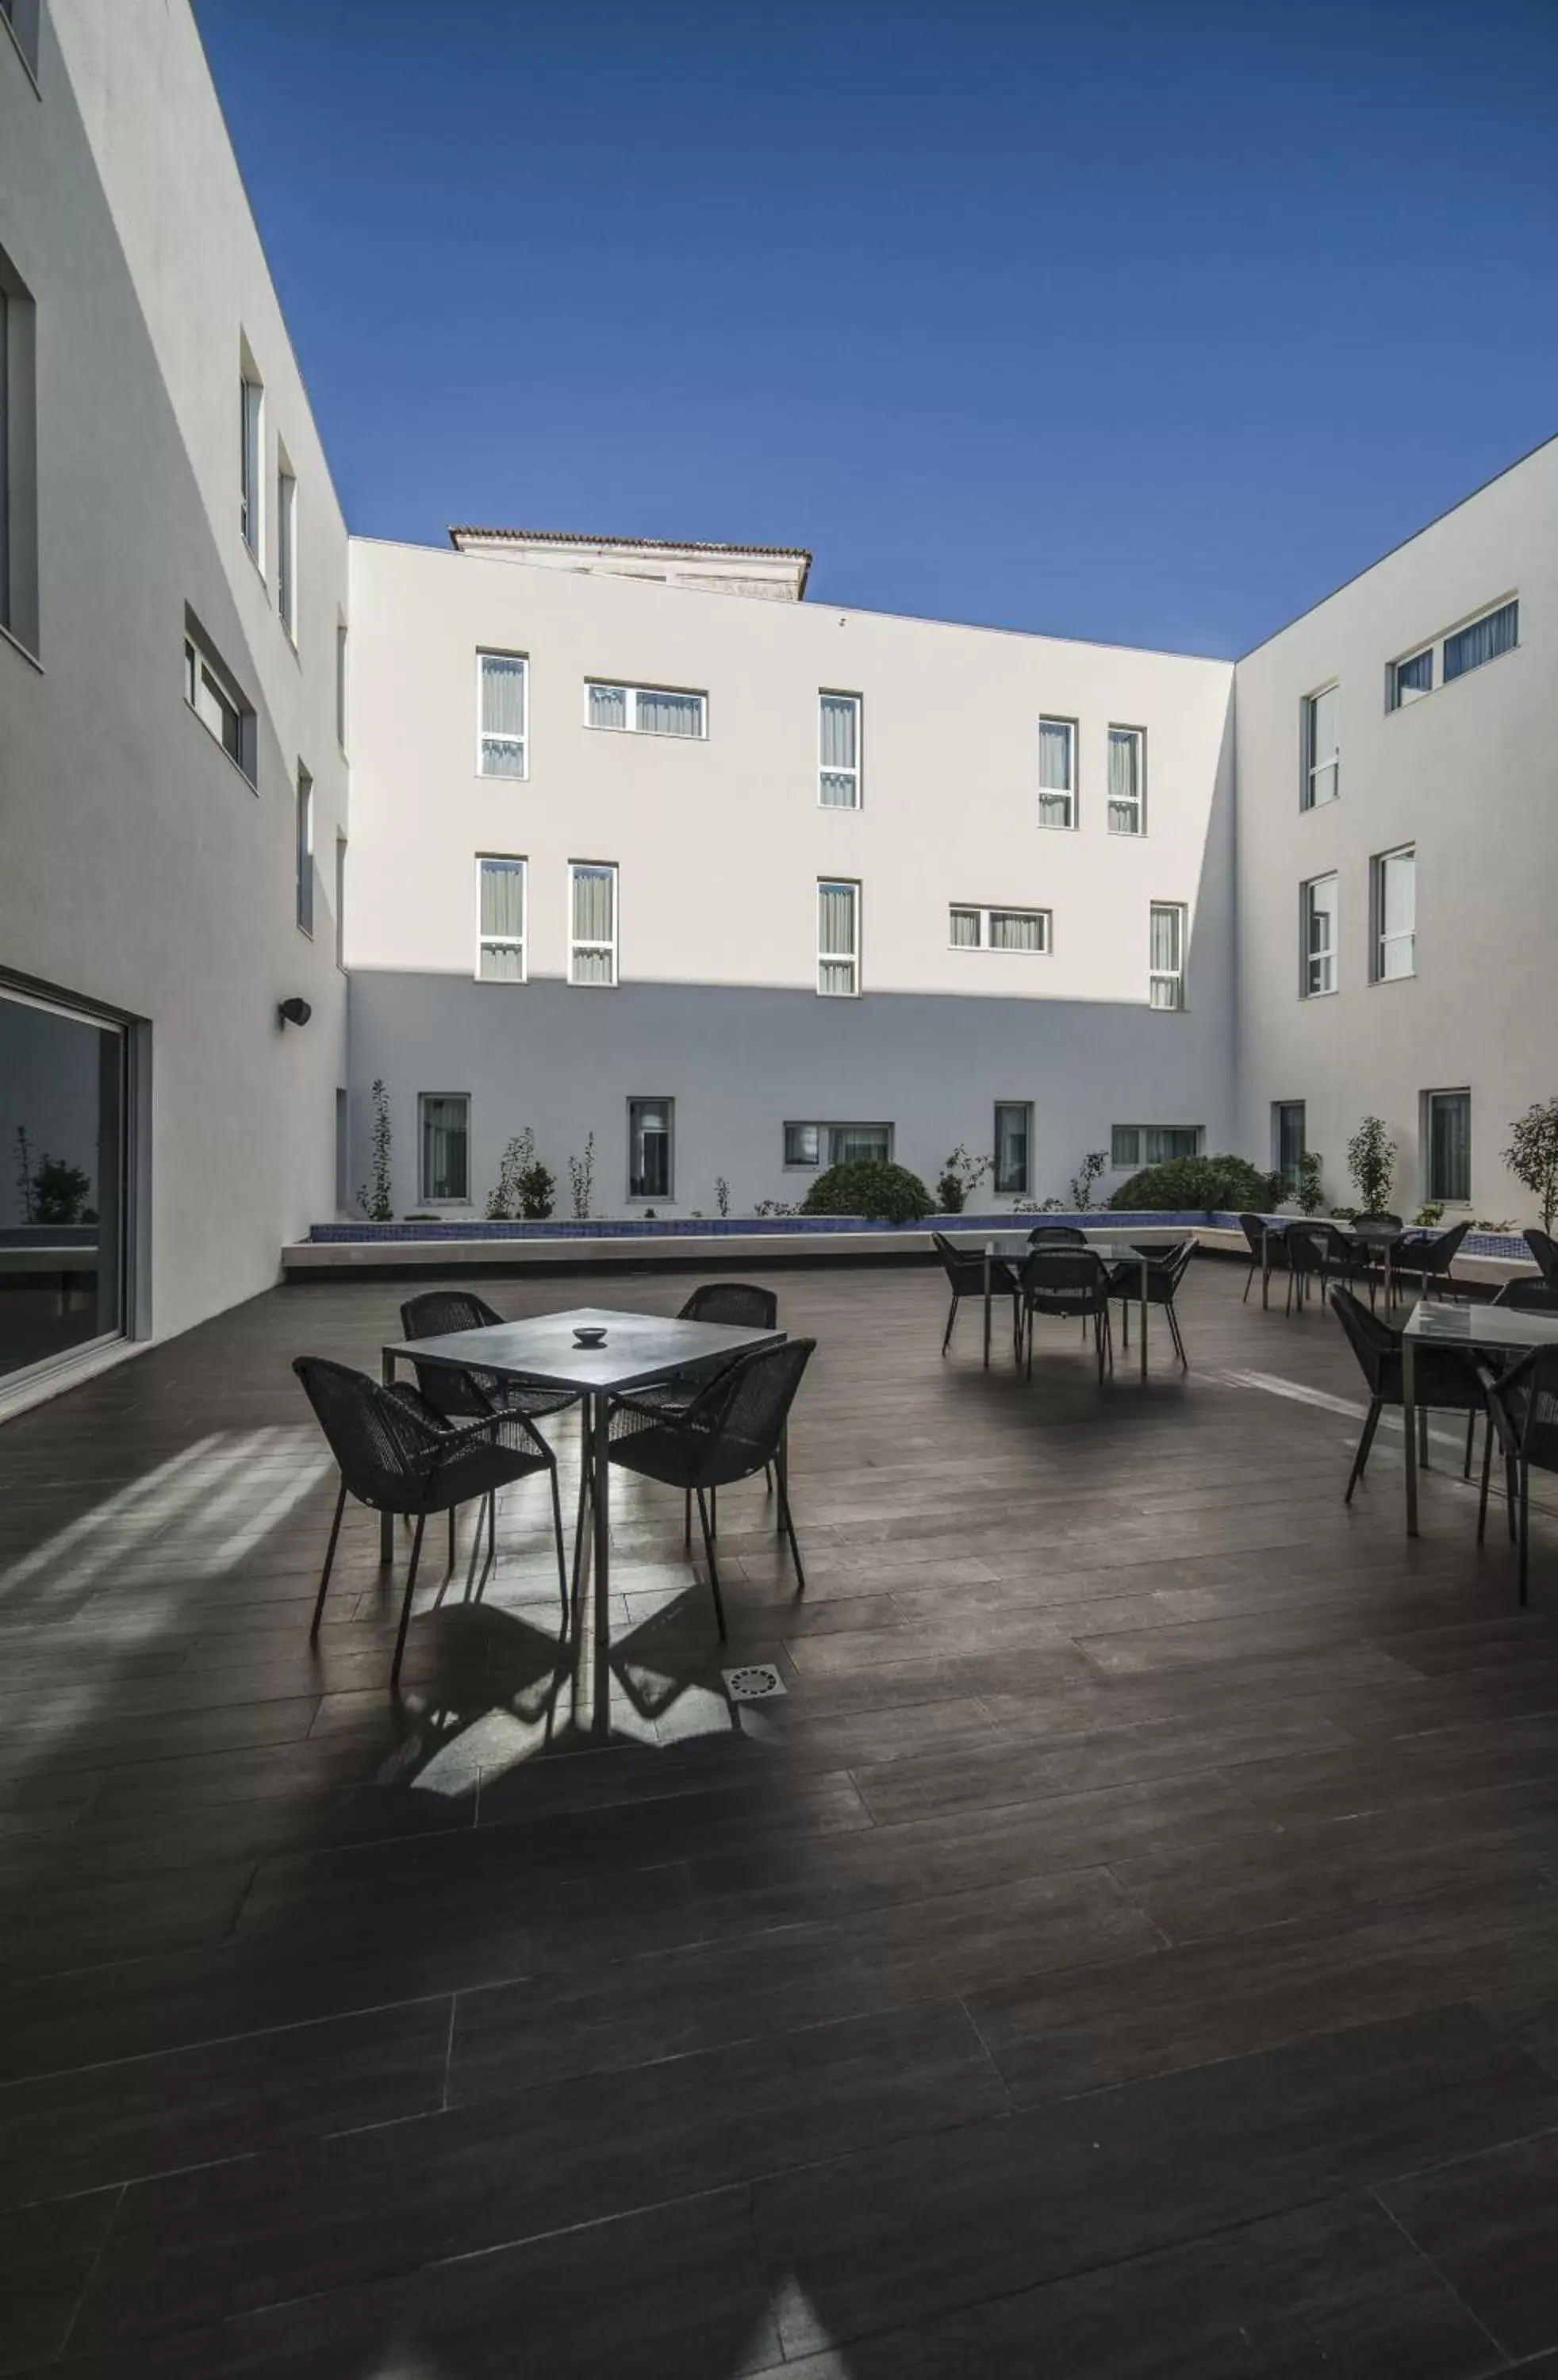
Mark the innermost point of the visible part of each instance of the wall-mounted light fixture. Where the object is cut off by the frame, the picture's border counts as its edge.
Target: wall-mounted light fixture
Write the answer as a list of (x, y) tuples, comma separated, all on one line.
[(294, 1011)]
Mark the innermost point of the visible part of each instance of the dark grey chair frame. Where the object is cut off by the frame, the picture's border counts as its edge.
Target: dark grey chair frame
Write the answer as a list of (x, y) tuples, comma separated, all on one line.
[(1523, 1415), (1066, 1282), (1165, 1271), (745, 1306), (1264, 1242), (1446, 1380), (966, 1278)]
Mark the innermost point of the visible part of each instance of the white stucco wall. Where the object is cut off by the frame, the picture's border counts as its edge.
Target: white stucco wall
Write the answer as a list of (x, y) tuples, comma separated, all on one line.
[(1469, 773), (140, 870)]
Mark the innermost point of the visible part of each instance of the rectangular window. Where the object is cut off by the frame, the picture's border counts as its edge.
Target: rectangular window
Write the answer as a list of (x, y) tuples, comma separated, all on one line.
[(810, 1146), (1131, 1145), (645, 710), (501, 692), (286, 544), (18, 459), (1482, 641), (650, 1130), (1317, 911), (1287, 1140), (998, 929), (1128, 780), (5, 457), (1394, 899), (591, 922), (500, 926), (1322, 761), (305, 850), (251, 445), (1166, 956), (1407, 679), (1014, 1141), (341, 901), (444, 1142), (341, 659), (215, 701), (838, 784), (1447, 1135), (1057, 773), (838, 939)]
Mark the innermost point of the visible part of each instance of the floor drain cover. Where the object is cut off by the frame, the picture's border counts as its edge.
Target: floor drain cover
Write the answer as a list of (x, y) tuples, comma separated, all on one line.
[(754, 1683)]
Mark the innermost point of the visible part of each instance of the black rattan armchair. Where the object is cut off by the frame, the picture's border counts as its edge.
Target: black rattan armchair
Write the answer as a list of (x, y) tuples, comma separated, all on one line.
[(396, 1454), (741, 1306), (966, 1277), (1431, 1255), (732, 1430), (1056, 1235), (1066, 1282), (1528, 1297), (1309, 1259), (1166, 1269), (1523, 1411), (1544, 1254), (1264, 1242), (467, 1396), (1446, 1379)]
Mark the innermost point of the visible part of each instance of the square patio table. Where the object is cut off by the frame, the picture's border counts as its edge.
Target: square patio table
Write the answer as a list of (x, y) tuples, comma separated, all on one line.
[(1491, 1329), (1123, 1244), (639, 1350)]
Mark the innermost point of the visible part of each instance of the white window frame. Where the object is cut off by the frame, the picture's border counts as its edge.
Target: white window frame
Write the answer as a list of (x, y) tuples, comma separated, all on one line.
[(631, 694), (303, 842), (1435, 651), (485, 653), (667, 1197), (506, 942), (1308, 955), (1068, 825), (856, 775), (594, 867), (1138, 804), (984, 912), (201, 662), (1315, 766), (425, 1197), (850, 958), (252, 458), (1172, 977), (286, 544), (1401, 698), (1024, 1188), (1378, 938), (1117, 1133), (827, 1154)]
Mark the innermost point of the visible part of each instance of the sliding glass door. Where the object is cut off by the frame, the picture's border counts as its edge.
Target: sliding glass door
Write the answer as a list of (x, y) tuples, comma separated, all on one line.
[(64, 1136)]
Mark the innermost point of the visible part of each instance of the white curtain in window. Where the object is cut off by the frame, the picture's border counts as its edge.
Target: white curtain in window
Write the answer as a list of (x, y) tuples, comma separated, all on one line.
[(836, 920), (1054, 754), (503, 899), (849, 1142), (503, 715), (1124, 780), (1016, 929), (1124, 1147), (670, 714), (1165, 940), (1469, 648), (594, 903), (608, 706), (1165, 1141), (965, 931), (839, 744)]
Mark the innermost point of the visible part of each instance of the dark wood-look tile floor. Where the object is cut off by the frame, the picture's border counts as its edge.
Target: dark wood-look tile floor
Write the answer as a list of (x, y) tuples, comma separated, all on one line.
[(1130, 1946)]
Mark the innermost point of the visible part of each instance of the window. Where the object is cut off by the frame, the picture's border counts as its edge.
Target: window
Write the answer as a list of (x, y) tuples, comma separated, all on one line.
[(341, 684), (808, 1146), (1057, 773), (838, 782), (1482, 641), (1447, 1135), (591, 922), (1128, 780), (1014, 1141), (1408, 679), (1131, 1145), (5, 458), (838, 939), (443, 1147), (305, 850), (252, 445), (1287, 1140), (341, 901), (1322, 766), (286, 544), (18, 477), (1166, 954), (1316, 906), (500, 743), (644, 709), (1394, 899), (500, 926), (649, 1148), (214, 700), (998, 929)]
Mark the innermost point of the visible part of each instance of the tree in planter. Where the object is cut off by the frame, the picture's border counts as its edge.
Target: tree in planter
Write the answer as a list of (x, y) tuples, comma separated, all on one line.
[(722, 1194), (1532, 1157), (377, 1199), (537, 1189), (1371, 1163), (960, 1175), (581, 1174), (1309, 1197), (1084, 1182)]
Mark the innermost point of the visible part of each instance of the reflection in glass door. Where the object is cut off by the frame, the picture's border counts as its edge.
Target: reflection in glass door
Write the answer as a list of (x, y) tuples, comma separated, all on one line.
[(63, 1141)]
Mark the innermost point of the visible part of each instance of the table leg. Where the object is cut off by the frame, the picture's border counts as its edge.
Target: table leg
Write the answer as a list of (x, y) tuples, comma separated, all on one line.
[(1265, 1272), (1409, 1427), (599, 1424), (1144, 1317), (783, 1468), (987, 1286), (386, 1520)]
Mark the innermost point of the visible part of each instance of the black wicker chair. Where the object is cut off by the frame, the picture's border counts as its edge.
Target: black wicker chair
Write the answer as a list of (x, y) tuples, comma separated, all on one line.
[(1446, 1379), (1059, 1236), (1528, 1297), (1065, 1283), (1347, 1259), (396, 1454), (1431, 1255), (1166, 1269), (964, 1272), (1523, 1413), (1544, 1254), (733, 1429), (468, 1396), (1308, 1248), (1264, 1242), (741, 1306)]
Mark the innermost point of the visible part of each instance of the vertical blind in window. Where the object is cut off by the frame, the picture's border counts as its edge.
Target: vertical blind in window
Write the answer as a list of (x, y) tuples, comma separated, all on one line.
[(444, 1150), (964, 930), (503, 715), (1483, 641), (1166, 945), (594, 924), (1056, 778), (848, 1143), (837, 954), (669, 714), (840, 736), (502, 955), (1125, 781)]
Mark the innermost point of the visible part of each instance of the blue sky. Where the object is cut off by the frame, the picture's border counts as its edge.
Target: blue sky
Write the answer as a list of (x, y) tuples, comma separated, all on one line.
[(1141, 320)]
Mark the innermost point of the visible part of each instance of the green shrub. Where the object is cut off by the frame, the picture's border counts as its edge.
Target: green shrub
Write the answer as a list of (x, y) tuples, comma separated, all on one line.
[(869, 1186), (1227, 1183)]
